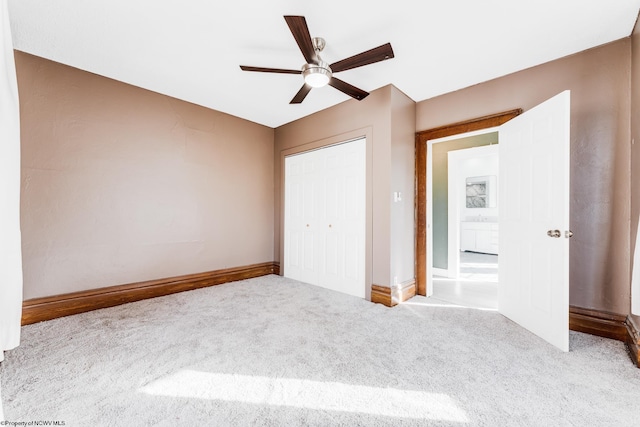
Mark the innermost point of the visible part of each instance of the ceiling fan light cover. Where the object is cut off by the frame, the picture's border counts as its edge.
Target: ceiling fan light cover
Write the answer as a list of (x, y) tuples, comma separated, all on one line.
[(316, 75)]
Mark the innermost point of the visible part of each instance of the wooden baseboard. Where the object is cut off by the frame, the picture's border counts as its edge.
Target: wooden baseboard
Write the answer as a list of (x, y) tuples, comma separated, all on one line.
[(596, 322), (608, 325), (633, 341), (47, 308), (391, 296)]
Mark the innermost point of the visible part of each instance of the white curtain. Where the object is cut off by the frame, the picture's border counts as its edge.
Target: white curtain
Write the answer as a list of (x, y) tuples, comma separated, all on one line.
[(10, 246)]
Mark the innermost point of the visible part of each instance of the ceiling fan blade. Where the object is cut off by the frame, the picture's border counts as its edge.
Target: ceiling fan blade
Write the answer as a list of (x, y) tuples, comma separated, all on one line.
[(301, 95), (345, 87), (376, 54), (269, 70), (300, 31)]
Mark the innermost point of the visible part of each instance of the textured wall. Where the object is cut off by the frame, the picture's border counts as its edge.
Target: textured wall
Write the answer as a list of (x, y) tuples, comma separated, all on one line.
[(635, 150), (120, 184), (600, 151), (403, 240)]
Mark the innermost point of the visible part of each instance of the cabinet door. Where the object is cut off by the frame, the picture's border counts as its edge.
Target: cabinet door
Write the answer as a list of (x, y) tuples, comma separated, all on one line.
[(467, 240), (494, 239), (483, 240)]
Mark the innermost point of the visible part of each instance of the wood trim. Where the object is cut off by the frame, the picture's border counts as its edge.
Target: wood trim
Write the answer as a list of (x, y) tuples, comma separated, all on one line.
[(47, 308), (421, 179), (392, 296), (633, 341), (596, 322)]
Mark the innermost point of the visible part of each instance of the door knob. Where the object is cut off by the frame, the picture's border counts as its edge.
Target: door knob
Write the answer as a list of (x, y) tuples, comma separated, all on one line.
[(554, 233)]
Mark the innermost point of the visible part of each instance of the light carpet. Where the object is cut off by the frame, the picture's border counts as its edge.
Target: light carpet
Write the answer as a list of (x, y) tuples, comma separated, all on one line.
[(276, 352)]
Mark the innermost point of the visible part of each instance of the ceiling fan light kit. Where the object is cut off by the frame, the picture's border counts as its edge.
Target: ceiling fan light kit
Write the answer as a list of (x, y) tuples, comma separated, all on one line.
[(316, 72), (316, 75)]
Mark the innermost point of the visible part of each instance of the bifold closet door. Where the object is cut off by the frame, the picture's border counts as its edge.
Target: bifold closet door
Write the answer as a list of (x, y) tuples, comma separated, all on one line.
[(301, 216), (325, 217)]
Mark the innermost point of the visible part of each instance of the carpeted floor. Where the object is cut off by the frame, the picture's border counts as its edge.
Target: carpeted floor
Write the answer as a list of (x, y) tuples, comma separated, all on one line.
[(275, 352)]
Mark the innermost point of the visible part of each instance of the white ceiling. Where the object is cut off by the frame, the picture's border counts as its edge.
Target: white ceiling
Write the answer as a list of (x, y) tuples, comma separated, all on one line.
[(191, 49)]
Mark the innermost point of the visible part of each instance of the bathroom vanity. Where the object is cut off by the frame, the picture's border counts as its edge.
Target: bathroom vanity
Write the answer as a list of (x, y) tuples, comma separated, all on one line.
[(478, 236)]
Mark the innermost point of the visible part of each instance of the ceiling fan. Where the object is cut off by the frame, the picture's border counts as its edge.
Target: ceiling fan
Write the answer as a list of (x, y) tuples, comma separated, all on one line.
[(316, 72)]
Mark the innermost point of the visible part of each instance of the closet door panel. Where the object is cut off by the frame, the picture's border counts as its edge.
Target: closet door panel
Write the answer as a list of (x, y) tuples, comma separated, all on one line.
[(327, 188)]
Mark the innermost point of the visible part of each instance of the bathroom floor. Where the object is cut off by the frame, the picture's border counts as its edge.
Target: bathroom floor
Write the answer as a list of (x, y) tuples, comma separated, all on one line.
[(476, 286)]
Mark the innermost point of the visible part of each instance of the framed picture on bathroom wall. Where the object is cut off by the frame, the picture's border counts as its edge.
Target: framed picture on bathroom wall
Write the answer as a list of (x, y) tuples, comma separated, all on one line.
[(480, 192)]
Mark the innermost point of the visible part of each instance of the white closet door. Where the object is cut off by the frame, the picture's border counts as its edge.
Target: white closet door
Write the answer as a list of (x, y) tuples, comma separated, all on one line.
[(301, 217), (343, 220), (325, 217)]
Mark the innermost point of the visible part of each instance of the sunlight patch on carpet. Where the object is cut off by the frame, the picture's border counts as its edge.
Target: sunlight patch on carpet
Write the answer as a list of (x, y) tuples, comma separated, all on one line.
[(301, 393)]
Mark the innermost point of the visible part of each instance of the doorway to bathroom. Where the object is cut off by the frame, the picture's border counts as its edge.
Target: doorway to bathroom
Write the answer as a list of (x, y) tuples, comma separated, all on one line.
[(464, 219)]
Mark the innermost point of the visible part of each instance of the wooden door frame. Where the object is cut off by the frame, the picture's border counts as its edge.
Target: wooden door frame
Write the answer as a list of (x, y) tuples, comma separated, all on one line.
[(422, 137)]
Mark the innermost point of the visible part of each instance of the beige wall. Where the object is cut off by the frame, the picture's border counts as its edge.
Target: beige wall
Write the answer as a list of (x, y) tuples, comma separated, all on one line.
[(385, 115), (600, 150), (120, 184), (403, 125), (635, 138)]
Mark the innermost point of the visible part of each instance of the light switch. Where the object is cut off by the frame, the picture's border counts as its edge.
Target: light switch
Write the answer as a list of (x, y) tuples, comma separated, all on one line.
[(397, 196)]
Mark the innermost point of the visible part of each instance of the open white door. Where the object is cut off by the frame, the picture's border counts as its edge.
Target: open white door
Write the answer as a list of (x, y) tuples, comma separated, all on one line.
[(534, 220)]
